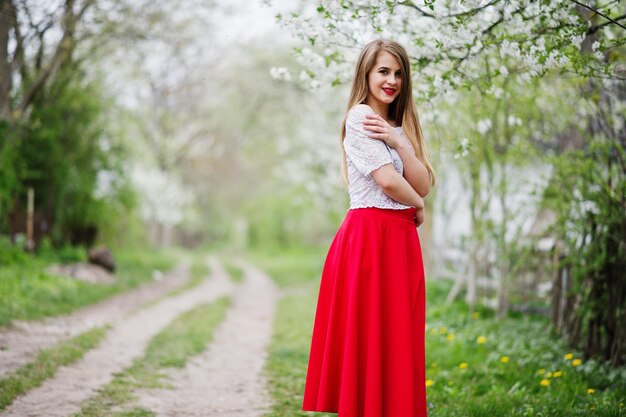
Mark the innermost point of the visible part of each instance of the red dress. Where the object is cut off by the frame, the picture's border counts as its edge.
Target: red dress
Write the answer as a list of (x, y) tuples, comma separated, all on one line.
[(367, 354)]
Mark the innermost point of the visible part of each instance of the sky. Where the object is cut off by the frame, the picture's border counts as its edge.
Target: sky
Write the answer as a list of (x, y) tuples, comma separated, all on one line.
[(243, 20)]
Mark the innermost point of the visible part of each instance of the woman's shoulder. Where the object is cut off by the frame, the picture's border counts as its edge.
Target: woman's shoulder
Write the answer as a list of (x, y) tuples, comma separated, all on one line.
[(358, 112)]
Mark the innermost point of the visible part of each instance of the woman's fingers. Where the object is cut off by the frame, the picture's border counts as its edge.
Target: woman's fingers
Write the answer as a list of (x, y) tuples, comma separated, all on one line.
[(374, 128)]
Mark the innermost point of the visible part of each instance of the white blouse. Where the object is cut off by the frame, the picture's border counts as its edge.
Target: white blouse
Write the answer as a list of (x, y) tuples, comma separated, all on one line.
[(364, 155)]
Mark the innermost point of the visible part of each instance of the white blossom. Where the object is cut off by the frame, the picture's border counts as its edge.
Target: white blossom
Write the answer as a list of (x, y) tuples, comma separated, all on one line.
[(483, 126), (280, 73), (462, 148), (513, 120), (577, 40)]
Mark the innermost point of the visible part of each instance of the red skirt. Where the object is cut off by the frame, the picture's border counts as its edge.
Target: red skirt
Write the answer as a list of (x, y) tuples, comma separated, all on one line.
[(367, 354)]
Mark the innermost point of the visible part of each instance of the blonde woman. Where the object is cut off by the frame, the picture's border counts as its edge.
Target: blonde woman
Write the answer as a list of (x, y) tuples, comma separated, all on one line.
[(367, 349)]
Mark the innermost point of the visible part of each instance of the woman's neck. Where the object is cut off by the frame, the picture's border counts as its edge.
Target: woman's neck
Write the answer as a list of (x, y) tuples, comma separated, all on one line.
[(381, 109)]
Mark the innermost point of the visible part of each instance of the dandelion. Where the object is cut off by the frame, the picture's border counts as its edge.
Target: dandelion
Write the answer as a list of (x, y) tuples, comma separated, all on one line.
[(549, 375), (463, 365), (504, 359), (557, 374), (541, 371), (545, 382), (569, 356), (576, 362), (475, 315), (481, 340), (429, 382), (450, 337), (590, 390), (443, 329)]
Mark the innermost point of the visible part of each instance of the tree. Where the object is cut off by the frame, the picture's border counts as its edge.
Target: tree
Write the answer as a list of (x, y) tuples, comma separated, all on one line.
[(489, 47)]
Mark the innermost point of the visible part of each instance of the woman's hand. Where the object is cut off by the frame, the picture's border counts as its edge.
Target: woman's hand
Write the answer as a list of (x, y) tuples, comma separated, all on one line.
[(419, 217), (381, 130)]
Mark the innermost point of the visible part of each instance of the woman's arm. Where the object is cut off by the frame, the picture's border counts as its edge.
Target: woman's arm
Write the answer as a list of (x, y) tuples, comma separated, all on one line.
[(397, 187), (414, 170)]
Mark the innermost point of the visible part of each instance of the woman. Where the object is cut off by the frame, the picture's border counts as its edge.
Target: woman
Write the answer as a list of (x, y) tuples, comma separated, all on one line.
[(367, 350)]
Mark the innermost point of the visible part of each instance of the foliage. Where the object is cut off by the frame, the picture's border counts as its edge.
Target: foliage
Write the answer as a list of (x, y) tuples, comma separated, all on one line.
[(448, 40), (27, 292), (592, 225), (61, 151)]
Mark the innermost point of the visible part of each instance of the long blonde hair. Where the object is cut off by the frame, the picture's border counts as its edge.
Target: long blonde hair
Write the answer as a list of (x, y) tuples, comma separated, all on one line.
[(402, 110)]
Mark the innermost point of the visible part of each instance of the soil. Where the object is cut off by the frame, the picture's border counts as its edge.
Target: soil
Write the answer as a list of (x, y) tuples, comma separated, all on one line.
[(225, 380), (21, 340)]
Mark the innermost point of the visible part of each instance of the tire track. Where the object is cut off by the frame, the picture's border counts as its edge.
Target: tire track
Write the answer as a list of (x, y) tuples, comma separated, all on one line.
[(226, 380), (63, 394), (22, 340)]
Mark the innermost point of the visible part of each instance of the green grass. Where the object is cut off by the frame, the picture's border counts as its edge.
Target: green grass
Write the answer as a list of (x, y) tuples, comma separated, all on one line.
[(235, 273), (198, 271), (45, 365), (186, 336), (291, 267), (487, 387), (27, 292)]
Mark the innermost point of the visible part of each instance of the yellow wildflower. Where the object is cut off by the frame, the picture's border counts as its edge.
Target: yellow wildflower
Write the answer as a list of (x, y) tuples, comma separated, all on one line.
[(504, 359), (429, 382), (545, 382), (576, 362), (443, 329), (549, 375), (542, 371), (481, 340), (463, 365), (569, 356), (557, 374), (590, 391), (475, 315), (450, 337)]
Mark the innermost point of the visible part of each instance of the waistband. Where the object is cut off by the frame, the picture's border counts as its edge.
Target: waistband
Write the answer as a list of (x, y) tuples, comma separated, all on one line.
[(407, 214)]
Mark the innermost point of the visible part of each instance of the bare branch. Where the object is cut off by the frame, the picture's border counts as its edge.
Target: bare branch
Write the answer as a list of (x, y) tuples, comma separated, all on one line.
[(599, 13), (594, 29)]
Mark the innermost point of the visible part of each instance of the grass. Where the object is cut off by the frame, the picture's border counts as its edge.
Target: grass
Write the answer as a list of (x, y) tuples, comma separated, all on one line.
[(235, 273), (27, 292), (45, 365), (199, 270), (186, 336), (489, 385)]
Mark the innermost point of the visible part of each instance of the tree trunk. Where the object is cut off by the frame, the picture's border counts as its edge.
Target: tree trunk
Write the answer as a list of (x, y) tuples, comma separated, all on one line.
[(6, 24)]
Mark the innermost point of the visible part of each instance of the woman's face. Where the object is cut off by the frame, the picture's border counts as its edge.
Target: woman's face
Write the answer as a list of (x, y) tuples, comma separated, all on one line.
[(384, 79)]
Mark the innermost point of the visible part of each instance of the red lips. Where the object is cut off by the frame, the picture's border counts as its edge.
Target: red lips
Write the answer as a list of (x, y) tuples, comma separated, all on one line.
[(389, 91)]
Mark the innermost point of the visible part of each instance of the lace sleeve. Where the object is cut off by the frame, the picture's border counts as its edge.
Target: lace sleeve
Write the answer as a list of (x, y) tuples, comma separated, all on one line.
[(365, 153)]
